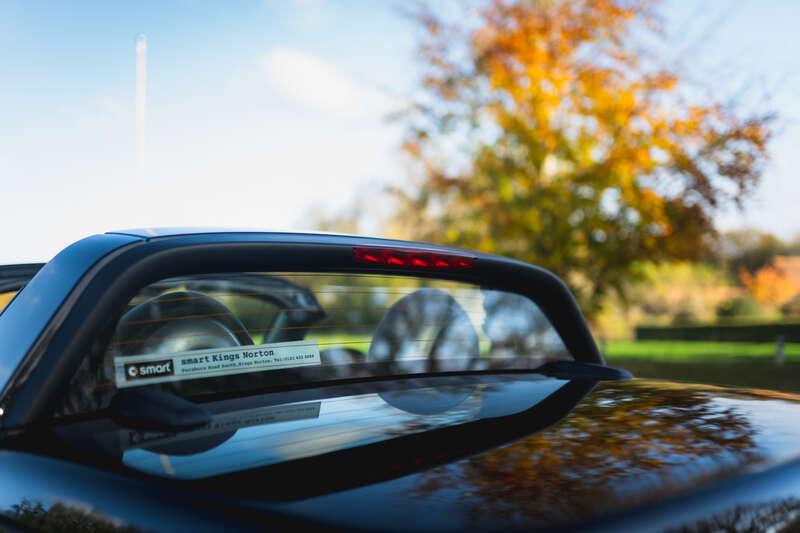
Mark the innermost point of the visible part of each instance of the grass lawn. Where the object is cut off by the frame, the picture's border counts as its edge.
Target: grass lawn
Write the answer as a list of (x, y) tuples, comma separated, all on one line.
[(346, 340), (696, 351), (734, 364), (650, 351)]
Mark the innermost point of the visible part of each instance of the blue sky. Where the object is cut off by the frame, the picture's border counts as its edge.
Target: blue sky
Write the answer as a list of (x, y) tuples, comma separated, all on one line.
[(262, 113)]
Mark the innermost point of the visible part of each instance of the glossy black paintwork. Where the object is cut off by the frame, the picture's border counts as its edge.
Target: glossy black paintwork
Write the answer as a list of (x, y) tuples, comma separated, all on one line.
[(626, 446), (631, 456), (124, 502), (634, 456), (313, 431), (26, 318)]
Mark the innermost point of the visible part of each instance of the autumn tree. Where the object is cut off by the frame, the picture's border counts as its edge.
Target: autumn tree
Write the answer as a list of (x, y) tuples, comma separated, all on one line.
[(769, 285), (543, 133)]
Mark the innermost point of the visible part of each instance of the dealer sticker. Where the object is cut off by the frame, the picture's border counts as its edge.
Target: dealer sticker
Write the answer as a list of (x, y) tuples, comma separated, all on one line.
[(135, 370)]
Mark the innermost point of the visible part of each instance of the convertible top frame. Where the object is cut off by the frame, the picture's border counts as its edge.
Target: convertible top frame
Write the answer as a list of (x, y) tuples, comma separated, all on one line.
[(47, 329)]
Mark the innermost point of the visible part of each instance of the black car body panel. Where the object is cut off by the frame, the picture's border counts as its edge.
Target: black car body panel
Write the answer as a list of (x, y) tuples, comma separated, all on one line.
[(27, 317), (637, 456), (630, 456), (564, 446)]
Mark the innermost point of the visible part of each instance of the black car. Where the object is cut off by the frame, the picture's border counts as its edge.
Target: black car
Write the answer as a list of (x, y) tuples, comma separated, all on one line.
[(199, 380)]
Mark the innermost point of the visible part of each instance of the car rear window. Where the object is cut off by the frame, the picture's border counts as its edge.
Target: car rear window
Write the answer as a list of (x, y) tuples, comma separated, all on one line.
[(230, 334)]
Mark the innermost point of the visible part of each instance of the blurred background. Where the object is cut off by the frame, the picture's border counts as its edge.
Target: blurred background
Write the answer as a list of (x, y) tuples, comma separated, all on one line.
[(644, 151)]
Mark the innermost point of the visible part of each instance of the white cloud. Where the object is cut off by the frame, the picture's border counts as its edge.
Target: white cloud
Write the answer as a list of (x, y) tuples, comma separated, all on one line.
[(236, 154), (317, 85)]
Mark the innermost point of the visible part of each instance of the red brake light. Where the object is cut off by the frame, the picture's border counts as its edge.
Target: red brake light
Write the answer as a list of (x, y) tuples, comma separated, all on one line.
[(411, 258)]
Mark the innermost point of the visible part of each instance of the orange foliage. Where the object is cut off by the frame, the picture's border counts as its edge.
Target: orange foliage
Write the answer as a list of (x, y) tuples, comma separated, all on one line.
[(770, 285), (5, 297)]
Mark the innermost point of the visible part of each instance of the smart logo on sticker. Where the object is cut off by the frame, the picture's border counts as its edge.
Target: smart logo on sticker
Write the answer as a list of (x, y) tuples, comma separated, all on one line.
[(149, 369)]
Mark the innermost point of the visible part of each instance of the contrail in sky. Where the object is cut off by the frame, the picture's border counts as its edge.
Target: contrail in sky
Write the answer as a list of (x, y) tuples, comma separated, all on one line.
[(141, 102)]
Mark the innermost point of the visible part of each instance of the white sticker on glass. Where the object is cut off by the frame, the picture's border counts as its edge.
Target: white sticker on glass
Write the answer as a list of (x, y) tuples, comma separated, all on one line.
[(137, 370)]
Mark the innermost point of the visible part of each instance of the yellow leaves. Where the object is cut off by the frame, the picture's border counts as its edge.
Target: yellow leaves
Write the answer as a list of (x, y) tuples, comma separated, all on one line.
[(5, 297), (506, 190), (412, 148), (666, 81)]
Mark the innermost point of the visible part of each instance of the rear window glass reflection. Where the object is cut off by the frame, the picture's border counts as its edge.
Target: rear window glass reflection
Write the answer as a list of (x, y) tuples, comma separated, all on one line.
[(213, 333)]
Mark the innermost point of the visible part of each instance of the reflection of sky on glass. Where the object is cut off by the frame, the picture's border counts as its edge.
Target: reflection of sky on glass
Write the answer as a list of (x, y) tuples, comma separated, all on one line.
[(342, 423), (775, 421)]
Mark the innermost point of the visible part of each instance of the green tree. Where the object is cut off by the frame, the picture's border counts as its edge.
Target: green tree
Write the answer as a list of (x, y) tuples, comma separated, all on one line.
[(542, 133)]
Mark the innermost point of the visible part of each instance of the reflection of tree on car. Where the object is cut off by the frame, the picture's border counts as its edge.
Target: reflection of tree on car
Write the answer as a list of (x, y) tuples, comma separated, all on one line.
[(621, 440), (464, 395), (62, 517), (782, 515)]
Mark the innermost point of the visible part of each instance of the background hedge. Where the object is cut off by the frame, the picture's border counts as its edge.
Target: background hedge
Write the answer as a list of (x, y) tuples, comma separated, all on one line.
[(730, 333)]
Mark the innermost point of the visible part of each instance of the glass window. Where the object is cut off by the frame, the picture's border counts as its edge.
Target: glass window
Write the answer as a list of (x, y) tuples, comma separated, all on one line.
[(232, 333)]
